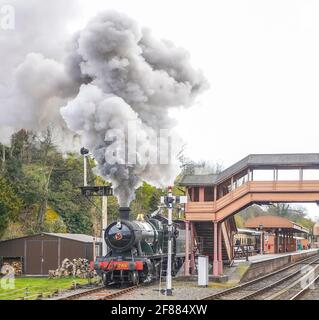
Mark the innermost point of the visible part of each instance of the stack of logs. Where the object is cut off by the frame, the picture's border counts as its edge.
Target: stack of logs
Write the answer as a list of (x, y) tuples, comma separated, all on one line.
[(75, 268), (14, 265)]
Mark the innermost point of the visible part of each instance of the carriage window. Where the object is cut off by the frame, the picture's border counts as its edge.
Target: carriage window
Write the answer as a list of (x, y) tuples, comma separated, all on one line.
[(208, 194)]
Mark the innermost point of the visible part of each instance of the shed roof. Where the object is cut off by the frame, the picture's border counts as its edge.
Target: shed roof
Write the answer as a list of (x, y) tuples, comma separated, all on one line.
[(295, 160), (274, 222), (76, 237)]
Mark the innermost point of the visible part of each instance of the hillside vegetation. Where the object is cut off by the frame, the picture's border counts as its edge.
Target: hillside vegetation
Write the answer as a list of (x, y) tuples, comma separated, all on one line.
[(40, 191)]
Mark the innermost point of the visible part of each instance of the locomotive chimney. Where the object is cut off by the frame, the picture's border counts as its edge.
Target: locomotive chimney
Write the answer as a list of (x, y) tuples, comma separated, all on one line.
[(125, 213)]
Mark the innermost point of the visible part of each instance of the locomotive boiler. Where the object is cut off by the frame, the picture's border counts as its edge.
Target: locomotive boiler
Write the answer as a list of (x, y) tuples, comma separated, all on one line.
[(137, 250)]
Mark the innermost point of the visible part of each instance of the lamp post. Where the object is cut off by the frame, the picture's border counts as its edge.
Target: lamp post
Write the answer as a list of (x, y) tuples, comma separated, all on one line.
[(261, 239), (85, 153), (278, 240)]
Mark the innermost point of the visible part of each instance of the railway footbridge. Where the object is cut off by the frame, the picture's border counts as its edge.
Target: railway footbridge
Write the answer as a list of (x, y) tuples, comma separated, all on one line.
[(214, 199)]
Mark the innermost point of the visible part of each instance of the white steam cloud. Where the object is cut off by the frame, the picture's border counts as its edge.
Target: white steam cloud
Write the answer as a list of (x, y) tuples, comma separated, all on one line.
[(112, 74), (33, 82)]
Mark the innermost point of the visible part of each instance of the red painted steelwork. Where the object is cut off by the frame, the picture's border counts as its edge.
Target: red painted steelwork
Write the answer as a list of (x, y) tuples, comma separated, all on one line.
[(119, 265)]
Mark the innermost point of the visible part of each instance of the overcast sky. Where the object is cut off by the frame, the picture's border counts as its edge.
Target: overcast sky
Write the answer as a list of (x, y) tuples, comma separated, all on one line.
[(261, 59)]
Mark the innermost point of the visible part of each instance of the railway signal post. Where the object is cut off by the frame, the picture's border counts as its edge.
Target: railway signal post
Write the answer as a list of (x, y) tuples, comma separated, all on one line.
[(169, 201), (103, 191)]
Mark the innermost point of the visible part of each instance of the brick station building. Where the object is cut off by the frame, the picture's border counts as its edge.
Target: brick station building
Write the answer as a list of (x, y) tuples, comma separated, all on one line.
[(279, 232)]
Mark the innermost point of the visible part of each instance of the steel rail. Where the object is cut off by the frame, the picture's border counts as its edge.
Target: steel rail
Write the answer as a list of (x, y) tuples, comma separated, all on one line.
[(81, 294), (119, 293), (276, 283), (286, 290), (305, 289), (246, 284), (101, 293)]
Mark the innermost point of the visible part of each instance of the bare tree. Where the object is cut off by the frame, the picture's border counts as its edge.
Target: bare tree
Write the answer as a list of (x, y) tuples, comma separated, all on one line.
[(46, 146), (44, 199), (190, 167), (3, 158)]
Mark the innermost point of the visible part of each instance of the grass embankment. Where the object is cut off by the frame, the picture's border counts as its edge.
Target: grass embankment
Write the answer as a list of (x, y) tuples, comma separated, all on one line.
[(234, 278), (31, 288)]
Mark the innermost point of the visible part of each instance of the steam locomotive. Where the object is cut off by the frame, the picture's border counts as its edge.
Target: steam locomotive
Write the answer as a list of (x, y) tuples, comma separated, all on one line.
[(138, 249)]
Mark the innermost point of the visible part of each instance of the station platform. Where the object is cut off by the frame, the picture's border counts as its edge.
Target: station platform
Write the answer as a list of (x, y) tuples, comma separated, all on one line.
[(263, 257), (258, 265)]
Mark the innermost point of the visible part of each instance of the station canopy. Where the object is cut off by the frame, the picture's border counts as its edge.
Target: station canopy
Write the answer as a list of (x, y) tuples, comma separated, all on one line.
[(273, 223)]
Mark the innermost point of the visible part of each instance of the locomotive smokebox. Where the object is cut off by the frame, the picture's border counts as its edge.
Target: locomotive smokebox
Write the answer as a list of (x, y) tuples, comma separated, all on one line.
[(125, 213)]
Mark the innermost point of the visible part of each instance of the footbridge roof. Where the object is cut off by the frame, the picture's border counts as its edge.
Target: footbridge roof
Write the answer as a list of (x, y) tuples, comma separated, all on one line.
[(255, 161)]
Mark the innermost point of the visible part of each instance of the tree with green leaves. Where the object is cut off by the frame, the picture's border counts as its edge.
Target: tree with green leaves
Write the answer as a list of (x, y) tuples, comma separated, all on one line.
[(147, 199), (10, 204), (65, 195)]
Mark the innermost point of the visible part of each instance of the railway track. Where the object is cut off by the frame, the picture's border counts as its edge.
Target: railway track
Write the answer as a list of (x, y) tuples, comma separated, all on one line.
[(294, 288), (308, 290), (100, 293), (282, 284)]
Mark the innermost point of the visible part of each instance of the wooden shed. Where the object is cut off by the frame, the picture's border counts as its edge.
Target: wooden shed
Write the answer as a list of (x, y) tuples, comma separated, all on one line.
[(46, 251)]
